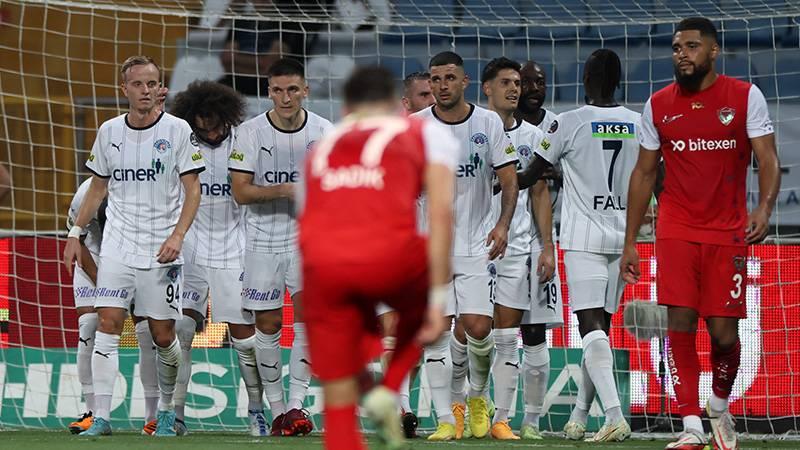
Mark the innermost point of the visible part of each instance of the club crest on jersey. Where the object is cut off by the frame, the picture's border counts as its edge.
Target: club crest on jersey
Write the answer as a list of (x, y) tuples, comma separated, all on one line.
[(524, 151), (479, 139), (726, 115), (162, 146), (173, 273), (553, 127)]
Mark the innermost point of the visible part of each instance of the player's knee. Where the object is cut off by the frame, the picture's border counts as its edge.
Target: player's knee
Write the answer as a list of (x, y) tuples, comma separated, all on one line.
[(723, 341), (269, 322), (681, 319), (479, 329), (110, 323), (163, 335), (533, 334), (590, 320)]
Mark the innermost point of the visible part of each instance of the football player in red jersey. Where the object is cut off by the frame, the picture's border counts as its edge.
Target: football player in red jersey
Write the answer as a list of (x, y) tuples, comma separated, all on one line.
[(360, 245), (706, 127)]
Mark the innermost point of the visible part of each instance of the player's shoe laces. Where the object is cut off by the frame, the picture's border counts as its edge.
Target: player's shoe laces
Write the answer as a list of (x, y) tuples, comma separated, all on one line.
[(165, 426), (615, 432), (444, 432), (180, 428), (410, 423), (479, 421), (574, 431), (459, 413), (277, 426), (723, 430), (688, 440), (531, 432), (100, 427), (258, 423), (502, 431), (149, 428), (81, 424), (296, 423), (381, 407)]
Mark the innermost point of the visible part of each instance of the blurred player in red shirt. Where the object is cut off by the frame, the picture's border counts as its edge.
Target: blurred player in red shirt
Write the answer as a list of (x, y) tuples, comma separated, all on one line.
[(360, 245), (706, 127)]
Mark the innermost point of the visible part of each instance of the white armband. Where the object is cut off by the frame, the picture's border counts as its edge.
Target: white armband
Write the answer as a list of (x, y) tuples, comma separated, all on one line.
[(75, 232), (437, 296)]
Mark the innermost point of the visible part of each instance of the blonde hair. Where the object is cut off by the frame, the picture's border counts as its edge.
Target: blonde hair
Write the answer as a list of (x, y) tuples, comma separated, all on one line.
[(138, 61)]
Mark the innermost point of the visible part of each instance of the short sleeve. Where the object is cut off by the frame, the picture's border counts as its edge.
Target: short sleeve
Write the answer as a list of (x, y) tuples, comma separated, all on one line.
[(758, 121), (97, 162), (554, 143), (441, 146), (243, 156), (502, 151), (189, 159), (646, 132)]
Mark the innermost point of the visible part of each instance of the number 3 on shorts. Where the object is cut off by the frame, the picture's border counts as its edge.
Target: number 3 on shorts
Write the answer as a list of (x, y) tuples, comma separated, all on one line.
[(736, 292)]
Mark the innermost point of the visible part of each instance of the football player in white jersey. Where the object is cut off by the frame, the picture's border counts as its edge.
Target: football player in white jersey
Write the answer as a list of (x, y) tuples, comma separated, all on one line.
[(265, 167), (214, 246), (597, 147), (141, 159), (478, 240), (515, 288)]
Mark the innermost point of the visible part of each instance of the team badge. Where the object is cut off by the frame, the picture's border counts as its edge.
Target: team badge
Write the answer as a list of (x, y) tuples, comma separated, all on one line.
[(553, 127), (479, 139), (524, 151), (739, 263), (492, 269), (173, 273), (162, 146), (726, 115)]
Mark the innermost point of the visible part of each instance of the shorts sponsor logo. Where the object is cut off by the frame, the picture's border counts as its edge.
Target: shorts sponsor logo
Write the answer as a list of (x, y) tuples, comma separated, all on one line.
[(256, 295), (84, 292), (700, 145), (114, 293), (191, 296), (162, 146)]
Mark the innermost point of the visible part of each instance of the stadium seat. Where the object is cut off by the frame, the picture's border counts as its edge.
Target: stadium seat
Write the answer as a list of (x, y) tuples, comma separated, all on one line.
[(736, 65), (400, 66), (788, 74), (645, 77)]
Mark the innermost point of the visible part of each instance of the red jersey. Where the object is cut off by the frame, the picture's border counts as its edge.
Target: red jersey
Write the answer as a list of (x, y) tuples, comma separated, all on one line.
[(361, 188), (704, 138)]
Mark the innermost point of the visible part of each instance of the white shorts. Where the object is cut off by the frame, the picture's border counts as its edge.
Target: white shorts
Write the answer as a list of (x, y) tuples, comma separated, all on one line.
[(382, 308), (593, 280), (512, 282), (225, 286), (472, 287), (157, 290), (267, 276), (546, 305)]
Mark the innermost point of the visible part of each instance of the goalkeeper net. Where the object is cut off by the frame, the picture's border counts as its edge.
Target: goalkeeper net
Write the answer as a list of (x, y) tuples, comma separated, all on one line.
[(59, 81)]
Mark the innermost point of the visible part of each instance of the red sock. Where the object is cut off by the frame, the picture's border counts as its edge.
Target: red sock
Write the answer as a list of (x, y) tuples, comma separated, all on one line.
[(725, 366), (341, 429), (684, 367), (401, 363)]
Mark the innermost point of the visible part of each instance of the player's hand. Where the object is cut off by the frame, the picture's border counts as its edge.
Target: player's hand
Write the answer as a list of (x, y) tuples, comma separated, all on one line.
[(757, 226), (498, 240), (71, 252), (161, 97), (170, 249), (546, 266), (496, 188), (629, 265), (433, 325)]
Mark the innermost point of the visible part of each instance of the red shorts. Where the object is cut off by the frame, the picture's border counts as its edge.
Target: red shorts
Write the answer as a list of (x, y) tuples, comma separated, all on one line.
[(711, 279), (339, 310)]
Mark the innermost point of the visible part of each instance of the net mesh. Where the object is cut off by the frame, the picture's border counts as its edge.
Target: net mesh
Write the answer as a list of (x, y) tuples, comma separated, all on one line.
[(59, 81)]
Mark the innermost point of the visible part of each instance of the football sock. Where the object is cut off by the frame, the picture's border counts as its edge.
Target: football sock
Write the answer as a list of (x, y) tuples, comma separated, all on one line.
[(299, 368), (87, 326), (536, 374), (479, 352), (505, 371), (439, 369), (246, 352), (270, 368)]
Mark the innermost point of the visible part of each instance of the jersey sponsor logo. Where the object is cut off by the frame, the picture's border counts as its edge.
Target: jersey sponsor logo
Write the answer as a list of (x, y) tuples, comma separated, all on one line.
[(614, 130), (196, 156), (215, 189), (471, 168), (281, 176), (157, 165), (479, 139), (667, 119), (139, 174), (352, 177), (553, 127), (91, 156), (510, 149), (193, 139), (697, 105), (162, 146), (697, 145), (606, 202), (236, 156), (545, 144), (726, 115)]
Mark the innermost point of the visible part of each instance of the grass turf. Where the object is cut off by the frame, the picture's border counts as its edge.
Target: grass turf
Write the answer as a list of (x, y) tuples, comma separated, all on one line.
[(49, 440)]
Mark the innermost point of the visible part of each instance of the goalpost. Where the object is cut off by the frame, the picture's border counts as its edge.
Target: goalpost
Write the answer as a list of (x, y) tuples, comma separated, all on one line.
[(59, 79)]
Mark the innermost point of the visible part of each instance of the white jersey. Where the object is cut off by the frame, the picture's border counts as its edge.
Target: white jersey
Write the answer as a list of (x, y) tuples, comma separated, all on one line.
[(217, 235), (544, 125), (484, 147), (522, 233), (274, 156), (144, 168), (92, 232), (549, 117), (598, 149)]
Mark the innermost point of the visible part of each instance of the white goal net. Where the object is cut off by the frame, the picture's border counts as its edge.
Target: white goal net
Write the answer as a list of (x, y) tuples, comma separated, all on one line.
[(59, 81)]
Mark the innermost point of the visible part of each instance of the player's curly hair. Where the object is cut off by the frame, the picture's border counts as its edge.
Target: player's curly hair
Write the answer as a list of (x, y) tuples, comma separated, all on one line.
[(209, 99), (603, 72)]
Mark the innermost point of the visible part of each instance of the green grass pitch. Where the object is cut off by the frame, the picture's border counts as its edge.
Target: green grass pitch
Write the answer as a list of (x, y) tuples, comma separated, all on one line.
[(49, 440)]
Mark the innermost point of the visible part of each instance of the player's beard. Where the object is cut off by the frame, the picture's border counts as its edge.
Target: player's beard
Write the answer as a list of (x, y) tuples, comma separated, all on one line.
[(691, 82), (525, 108)]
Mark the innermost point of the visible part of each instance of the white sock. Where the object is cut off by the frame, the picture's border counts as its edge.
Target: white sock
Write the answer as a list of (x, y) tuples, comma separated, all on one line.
[(479, 352), (184, 328), (458, 352), (270, 368), (718, 404), (248, 367), (299, 368), (599, 363), (505, 371), (405, 401), (536, 370), (169, 362), (87, 326), (147, 370), (693, 423), (105, 365), (585, 397), (439, 369)]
